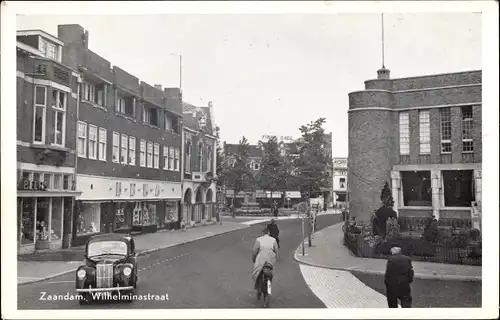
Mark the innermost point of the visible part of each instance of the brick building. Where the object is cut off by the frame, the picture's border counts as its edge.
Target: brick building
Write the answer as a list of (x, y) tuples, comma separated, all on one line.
[(46, 120), (198, 173), (339, 183), (125, 129), (423, 136)]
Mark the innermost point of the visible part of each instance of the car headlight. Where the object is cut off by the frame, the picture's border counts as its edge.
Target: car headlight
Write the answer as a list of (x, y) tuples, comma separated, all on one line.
[(81, 274), (127, 271)]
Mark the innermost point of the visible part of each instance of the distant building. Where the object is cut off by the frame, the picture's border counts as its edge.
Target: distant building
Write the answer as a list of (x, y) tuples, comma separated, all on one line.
[(339, 181), (423, 136)]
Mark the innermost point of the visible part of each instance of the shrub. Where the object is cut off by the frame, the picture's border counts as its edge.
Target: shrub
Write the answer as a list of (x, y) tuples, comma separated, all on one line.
[(460, 240), (373, 241), (475, 234), (431, 233), (393, 230)]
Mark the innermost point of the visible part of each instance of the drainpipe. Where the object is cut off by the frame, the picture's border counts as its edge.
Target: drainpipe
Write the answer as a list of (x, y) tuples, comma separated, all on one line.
[(78, 81)]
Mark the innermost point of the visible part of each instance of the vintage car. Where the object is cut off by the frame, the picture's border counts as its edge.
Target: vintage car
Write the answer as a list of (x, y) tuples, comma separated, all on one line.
[(109, 270)]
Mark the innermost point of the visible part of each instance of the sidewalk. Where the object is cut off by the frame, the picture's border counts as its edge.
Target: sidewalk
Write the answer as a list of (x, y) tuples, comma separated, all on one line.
[(46, 265), (328, 251)]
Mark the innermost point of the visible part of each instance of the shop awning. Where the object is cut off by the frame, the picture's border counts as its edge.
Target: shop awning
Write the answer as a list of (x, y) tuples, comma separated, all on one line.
[(47, 194)]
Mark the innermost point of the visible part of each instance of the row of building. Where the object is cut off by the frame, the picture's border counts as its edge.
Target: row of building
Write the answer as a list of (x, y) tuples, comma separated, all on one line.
[(100, 151), (422, 135)]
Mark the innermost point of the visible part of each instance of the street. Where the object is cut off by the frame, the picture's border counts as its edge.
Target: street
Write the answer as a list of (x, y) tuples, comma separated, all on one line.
[(208, 273)]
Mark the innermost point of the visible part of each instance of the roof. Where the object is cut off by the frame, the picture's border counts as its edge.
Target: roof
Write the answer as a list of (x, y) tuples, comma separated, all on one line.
[(192, 115), (41, 33), (110, 237), (253, 150)]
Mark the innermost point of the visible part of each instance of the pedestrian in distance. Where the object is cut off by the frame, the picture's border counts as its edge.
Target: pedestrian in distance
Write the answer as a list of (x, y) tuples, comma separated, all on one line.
[(183, 225), (398, 278), (274, 231)]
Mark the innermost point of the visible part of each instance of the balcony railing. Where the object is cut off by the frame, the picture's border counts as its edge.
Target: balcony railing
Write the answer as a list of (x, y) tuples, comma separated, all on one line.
[(51, 70)]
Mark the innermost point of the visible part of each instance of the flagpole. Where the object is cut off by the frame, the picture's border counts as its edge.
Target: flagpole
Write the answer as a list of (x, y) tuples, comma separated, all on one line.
[(383, 51)]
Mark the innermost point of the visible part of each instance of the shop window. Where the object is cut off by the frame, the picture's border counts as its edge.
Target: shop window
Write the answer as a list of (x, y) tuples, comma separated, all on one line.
[(57, 216), (149, 214), (417, 191), (42, 219), (137, 214), (89, 219), (27, 220), (458, 188), (122, 217)]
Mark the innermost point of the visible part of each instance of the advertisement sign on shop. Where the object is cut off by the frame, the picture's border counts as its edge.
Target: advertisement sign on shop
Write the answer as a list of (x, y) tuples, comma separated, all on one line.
[(340, 163)]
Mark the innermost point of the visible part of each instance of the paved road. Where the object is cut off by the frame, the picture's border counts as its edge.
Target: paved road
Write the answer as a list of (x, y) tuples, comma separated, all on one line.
[(433, 293), (209, 273)]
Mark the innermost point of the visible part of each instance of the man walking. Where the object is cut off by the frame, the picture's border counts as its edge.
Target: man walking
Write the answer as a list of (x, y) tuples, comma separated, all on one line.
[(398, 277)]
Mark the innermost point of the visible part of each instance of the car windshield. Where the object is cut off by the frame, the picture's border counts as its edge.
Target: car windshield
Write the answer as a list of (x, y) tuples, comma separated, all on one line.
[(107, 247)]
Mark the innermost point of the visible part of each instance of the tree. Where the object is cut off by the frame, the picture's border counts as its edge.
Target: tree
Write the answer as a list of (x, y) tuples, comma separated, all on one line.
[(386, 196), (238, 175), (385, 212), (270, 167), (313, 161), (220, 160)]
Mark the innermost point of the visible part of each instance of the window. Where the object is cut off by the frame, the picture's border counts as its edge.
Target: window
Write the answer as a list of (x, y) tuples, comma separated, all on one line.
[(82, 139), (187, 164), (168, 122), (256, 166), (165, 157), (92, 142), (425, 132), (125, 105), (42, 45), (171, 152), (59, 100), (342, 183), (131, 151), (209, 159), (142, 155), (116, 147), (445, 130), (417, 190), (102, 144), (51, 51), (150, 154), (200, 156), (95, 93), (39, 121), (124, 149), (458, 188), (156, 162), (467, 126), (150, 115), (404, 133), (177, 159)]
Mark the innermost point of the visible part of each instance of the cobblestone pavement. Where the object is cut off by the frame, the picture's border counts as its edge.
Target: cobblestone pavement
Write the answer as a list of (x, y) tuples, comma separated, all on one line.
[(329, 252), (208, 273)]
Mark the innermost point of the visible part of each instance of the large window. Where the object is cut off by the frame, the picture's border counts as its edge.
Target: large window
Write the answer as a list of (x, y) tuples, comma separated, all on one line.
[(187, 164), (131, 151), (144, 213), (94, 93), (404, 133), (59, 102), (467, 126), (156, 156), (150, 154), (209, 160), (102, 144), (200, 156), (165, 157), (27, 220), (171, 155), (417, 189), (150, 115), (425, 132), (116, 147), (42, 219), (56, 219), (82, 139), (458, 188), (142, 155), (445, 130), (124, 149), (89, 219), (92, 142), (125, 105), (177, 159), (39, 121)]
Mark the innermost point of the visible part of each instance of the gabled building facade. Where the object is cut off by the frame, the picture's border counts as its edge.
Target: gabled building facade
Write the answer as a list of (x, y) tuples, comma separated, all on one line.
[(198, 168)]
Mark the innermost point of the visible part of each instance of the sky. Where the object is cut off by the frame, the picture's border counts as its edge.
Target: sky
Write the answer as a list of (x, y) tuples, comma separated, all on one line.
[(270, 74)]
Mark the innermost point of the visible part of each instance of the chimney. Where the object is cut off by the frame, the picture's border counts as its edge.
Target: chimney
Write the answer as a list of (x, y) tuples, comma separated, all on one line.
[(173, 93), (383, 73), (158, 86), (73, 34)]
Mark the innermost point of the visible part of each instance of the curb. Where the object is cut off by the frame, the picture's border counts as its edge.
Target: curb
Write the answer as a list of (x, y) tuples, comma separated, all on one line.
[(139, 254), (378, 273)]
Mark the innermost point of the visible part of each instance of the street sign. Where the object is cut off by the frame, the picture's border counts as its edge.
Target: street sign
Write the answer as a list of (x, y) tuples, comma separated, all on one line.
[(303, 208)]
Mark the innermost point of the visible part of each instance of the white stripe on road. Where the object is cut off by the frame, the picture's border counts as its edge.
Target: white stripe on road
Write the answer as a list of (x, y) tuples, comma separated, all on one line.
[(340, 289)]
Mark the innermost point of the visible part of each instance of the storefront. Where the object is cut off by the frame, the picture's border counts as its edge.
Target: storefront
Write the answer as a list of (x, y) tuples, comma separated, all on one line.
[(45, 206), (119, 205)]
